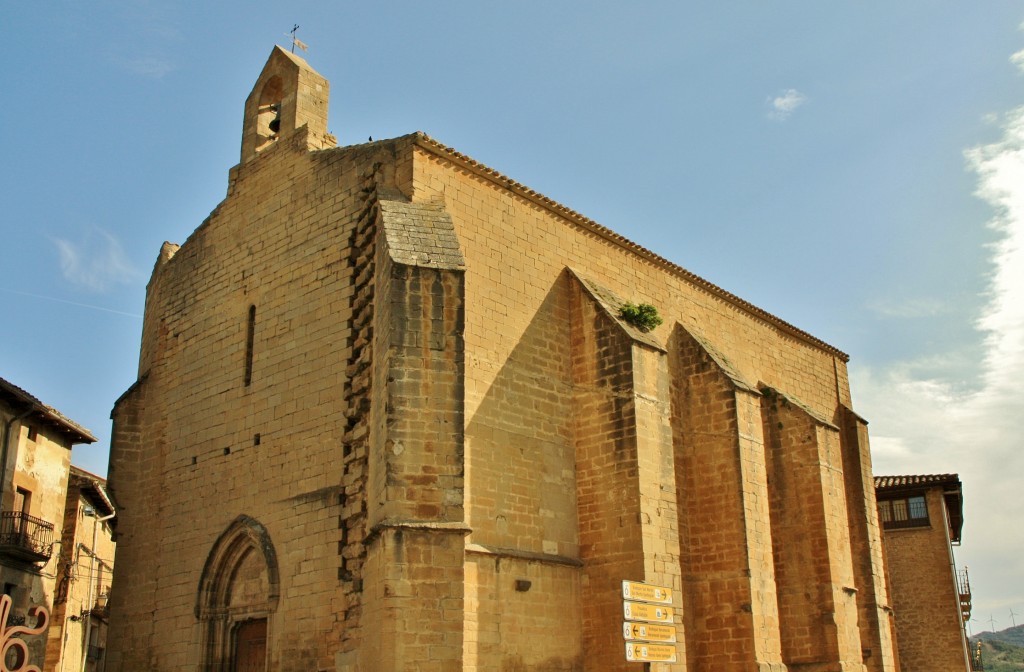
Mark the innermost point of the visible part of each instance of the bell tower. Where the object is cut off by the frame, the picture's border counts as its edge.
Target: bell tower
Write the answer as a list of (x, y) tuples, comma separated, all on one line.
[(289, 96)]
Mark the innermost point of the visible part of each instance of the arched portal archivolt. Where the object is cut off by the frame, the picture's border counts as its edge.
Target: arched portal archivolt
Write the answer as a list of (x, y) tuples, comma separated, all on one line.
[(239, 585)]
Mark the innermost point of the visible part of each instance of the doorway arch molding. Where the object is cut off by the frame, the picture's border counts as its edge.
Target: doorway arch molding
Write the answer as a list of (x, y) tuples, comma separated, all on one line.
[(244, 542)]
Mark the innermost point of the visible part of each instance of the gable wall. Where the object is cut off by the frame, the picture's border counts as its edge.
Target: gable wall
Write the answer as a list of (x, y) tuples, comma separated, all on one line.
[(185, 464)]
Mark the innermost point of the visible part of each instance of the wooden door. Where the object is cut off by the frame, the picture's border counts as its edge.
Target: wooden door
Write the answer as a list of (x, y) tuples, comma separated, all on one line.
[(251, 646)]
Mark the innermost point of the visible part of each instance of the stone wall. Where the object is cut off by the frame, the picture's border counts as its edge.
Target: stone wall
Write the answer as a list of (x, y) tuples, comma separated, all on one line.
[(38, 462), (924, 594), (394, 389), (194, 447)]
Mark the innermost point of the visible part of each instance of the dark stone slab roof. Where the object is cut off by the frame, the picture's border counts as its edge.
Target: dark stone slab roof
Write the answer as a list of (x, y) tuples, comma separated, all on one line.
[(421, 234), (612, 306)]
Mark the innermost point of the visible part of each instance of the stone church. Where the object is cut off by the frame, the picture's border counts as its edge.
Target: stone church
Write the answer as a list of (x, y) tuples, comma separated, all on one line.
[(392, 414)]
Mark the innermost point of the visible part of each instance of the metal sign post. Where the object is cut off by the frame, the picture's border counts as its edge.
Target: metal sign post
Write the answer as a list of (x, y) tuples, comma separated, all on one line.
[(649, 628)]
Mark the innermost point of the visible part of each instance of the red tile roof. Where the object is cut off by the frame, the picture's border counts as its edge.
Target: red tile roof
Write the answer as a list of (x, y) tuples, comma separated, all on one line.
[(886, 482)]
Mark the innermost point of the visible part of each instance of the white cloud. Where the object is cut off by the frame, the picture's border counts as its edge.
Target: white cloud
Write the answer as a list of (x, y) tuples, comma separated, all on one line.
[(784, 104), (1018, 60), (149, 66), (909, 308), (927, 425), (96, 263), (155, 32)]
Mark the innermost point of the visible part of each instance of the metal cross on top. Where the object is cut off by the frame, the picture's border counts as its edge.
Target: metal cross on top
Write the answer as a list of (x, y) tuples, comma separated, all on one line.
[(296, 42)]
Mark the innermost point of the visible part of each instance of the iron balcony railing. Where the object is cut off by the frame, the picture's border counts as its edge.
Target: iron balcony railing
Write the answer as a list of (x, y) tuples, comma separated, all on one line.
[(24, 537), (963, 586)]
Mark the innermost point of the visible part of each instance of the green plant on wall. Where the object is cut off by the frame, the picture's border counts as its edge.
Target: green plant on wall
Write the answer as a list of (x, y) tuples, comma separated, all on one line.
[(643, 316)]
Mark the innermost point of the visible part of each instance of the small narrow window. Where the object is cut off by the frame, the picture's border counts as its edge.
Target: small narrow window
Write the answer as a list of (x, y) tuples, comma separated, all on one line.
[(33, 433), (249, 337)]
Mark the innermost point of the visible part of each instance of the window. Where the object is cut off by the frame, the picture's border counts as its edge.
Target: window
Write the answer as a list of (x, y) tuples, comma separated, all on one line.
[(903, 512), (249, 338)]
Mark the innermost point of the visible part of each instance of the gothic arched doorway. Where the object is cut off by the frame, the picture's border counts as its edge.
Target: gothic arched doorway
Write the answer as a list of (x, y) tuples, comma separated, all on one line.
[(238, 593)]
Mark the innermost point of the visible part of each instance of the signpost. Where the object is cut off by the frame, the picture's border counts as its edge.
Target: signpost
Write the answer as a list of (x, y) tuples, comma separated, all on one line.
[(652, 613), (648, 632), (653, 653), (645, 592), (652, 639)]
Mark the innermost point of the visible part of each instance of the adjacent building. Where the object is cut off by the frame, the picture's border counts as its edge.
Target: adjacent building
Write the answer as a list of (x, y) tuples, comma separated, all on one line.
[(922, 517), (78, 623), (394, 412), (35, 458)]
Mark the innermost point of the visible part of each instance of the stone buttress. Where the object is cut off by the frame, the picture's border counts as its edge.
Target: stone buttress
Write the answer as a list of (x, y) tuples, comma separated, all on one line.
[(729, 592), (406, 530), (624, 470)]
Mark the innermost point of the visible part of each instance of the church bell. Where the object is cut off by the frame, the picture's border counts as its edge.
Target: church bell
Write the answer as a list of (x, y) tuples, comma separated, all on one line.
[(275, 123)]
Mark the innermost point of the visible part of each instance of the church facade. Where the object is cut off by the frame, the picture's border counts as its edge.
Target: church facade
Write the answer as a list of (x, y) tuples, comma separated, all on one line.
[(391, 414)]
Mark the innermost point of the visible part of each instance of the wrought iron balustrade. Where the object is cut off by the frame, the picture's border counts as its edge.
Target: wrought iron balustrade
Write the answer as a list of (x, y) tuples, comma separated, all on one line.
[(963, 587), (24, 537)]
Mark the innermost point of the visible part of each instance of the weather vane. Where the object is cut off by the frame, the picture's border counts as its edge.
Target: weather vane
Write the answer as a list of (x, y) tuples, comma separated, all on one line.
[(296, 42)]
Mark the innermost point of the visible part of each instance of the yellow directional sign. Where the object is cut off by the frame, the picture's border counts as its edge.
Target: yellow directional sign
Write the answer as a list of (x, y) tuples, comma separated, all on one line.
[(652, 613), (649, 632), (646, 592), (655, 653)]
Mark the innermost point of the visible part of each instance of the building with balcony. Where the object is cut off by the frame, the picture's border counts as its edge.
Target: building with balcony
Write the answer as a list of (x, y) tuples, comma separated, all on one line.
[(922, 518), (78, 623), (35, 461)]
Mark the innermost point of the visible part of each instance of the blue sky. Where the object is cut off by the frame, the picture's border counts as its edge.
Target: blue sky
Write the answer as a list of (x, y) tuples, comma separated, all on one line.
[(858, 170)]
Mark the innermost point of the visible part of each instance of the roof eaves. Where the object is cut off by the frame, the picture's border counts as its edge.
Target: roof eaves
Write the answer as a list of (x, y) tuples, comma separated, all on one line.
[(97, 486), (916, 481), (78, 433)]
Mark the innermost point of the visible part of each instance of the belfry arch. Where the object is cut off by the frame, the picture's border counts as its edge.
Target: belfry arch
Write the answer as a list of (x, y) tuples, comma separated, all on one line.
[(236, 599), (268, 122), (289, 99)]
